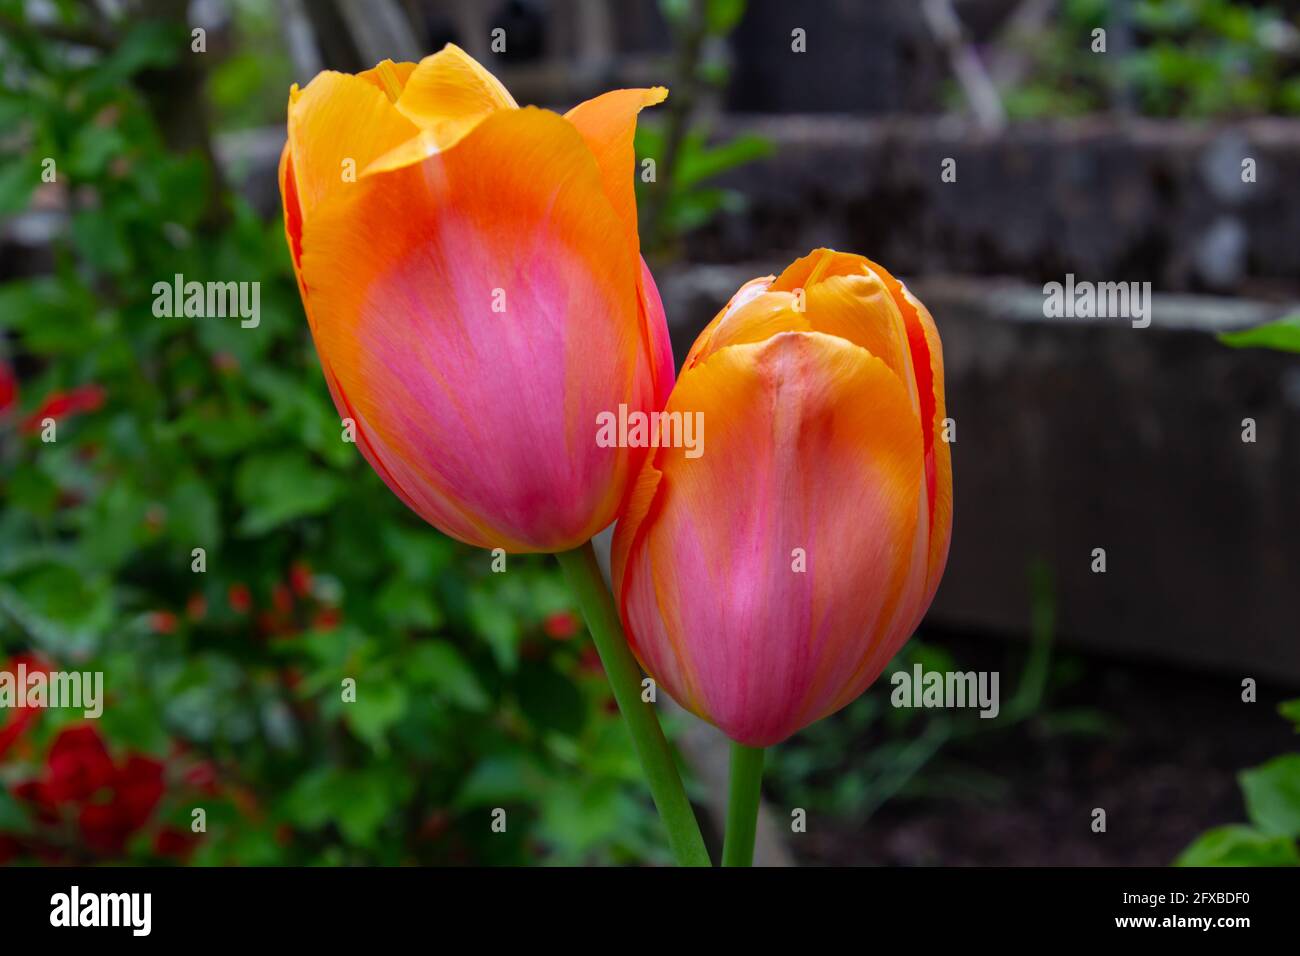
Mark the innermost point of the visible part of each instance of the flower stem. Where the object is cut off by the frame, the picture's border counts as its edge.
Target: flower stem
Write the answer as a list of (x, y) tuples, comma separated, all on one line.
[(624, 675), (742, 805)]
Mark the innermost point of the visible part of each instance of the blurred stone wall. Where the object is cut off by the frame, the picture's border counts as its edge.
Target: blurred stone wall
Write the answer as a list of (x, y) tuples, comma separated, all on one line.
[(1157, 201)]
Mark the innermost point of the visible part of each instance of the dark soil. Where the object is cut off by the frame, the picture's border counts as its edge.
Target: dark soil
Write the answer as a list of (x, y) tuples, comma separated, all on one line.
[(1164, 772)]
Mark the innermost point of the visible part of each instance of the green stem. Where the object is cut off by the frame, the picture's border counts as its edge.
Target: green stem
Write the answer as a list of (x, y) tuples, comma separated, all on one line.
[(742, 805), (624, 675)]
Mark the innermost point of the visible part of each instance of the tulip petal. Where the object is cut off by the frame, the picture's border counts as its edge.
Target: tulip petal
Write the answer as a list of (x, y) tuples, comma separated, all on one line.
[(292, 209), (445, 96), (927, 360), (485, 417), (608, 124), (856, 306), (803, 431), (751, 290), (338, 118), (386, 73), (656, 341), (452, 92), (818, 265)]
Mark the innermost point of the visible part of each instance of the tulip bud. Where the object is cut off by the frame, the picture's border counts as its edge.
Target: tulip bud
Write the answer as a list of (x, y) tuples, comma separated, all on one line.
[(472, 277), (767, 583)]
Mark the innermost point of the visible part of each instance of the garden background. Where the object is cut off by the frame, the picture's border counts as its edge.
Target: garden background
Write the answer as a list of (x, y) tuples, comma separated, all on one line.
[(1151, 690)]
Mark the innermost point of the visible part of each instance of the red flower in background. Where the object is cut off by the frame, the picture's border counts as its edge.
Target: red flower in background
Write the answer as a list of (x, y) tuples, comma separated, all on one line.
[(173, 842), (78, 765), (137, 786), (84, 398), (326, 619), (240, 598), (162, 622), (110, 801), (8, 386), (300, 578), (561, 625), (14, 722), (282, 598)]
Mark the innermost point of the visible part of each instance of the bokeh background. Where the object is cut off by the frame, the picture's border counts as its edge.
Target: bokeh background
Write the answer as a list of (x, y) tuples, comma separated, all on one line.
[(1155, 691)]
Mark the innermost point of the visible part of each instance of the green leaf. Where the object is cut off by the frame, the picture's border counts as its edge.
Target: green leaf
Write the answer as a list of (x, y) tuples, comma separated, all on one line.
[(1272, 793), (497, 625), (278, 487), (381, 702), (420, 555), (114, 525), (66, 610), (440, 665), (18, 180), (151, 43), (193, 519), (1238, 845), (500, 779), (1290, 709), (1282, 335), (358, 800), (93, 148), (723, 15), (700, 162), (362, 801), (13, 817), (584, 816), (98, 240), (405, 604)]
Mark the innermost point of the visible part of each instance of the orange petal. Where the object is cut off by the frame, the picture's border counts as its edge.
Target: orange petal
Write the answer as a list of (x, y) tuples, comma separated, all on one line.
[(849, 300), (292, 208), (800, 430), (703, 344), (485, 417), (608, 124), (817, 265), (445, 96), (388, 76), (336, 119), (927, 357)]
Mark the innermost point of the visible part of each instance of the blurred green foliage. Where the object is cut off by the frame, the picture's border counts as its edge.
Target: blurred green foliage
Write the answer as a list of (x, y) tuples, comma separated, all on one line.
[(250, 86), (1187, 58), (474, 689), (1272, 796), (1282, 336), (852, 763), (682, 197)]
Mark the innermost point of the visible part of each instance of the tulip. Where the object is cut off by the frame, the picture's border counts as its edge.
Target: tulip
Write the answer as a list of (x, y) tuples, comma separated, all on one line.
[(472, 278), (767, 583), (473, 281)]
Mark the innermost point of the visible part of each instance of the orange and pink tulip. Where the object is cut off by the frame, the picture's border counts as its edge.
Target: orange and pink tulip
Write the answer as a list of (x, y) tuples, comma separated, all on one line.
[(472, 277), (767, 583)]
